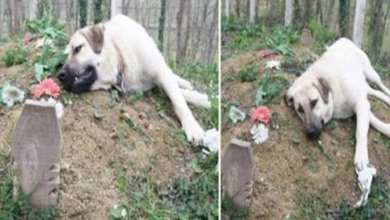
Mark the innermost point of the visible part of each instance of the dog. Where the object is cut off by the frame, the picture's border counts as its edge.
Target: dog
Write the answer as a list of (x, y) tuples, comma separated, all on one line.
[(120, 53), (337, 86)]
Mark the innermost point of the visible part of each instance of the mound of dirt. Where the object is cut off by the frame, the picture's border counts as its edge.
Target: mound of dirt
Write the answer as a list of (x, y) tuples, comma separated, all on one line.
[(92, 146), (287, 164)]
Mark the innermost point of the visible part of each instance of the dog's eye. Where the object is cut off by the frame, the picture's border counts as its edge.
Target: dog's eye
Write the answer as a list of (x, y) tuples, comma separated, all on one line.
[(77, 49), (313, 103), (300, 109)]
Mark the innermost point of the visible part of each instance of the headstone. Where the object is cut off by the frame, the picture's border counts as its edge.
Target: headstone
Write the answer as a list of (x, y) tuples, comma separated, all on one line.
[(306, 38), (36, 151), (238, 168)]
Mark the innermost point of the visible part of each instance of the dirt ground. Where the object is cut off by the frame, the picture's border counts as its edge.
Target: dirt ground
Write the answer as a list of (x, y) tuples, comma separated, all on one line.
[(288, 164), (91, 148)]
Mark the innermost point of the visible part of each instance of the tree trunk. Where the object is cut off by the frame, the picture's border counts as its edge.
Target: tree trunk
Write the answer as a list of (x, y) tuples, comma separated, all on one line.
[(343, 18), (179, 21), (238, 6), (252, 5), (308, 12), (271, 14), (188, 29), (227, 8), (97, 11), (83, 11), (319, 14), (329, 13), (9, 12), (358, 22), (161, 25), (288, 13), (375, 28), (17, 7), (214, 26)]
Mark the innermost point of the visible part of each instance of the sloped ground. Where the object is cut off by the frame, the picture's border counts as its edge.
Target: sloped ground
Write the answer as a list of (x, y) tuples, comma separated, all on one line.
[(97, 153), (296, 178)]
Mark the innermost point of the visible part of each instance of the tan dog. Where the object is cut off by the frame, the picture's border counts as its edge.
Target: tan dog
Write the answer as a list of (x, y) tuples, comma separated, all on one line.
[(121, 53), (336, 86)]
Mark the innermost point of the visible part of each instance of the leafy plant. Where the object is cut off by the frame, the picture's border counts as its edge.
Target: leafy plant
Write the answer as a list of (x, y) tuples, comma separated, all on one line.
[(197, 199), (15, 56), (271, 86), (249, 73), (280, 39), (48, 27), (321, 36)]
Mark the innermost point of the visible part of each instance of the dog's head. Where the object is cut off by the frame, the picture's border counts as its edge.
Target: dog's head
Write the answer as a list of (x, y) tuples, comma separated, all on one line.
[(79, 72), (313, 103)]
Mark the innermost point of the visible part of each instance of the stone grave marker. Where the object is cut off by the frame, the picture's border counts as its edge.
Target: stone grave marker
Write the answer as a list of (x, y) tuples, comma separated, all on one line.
[(238, 168), (36, 151)]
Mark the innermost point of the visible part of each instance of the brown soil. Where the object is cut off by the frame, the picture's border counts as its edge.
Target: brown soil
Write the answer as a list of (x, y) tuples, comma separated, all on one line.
[(90, 147), (287, 162)]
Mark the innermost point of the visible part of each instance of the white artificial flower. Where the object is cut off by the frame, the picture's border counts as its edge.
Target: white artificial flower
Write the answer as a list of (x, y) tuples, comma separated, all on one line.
[(273, 64), (123, 213), (115, 207), (59, 107), (211, 140), (365, 179), (259, 133), (11, 94), (236, 114)]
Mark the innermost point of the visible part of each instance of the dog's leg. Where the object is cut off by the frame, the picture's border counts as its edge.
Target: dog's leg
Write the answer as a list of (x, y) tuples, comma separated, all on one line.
[(379, 125), (183, 84), (379, 95), (167, 80), (372, 76), (362, 109), (196, 98)]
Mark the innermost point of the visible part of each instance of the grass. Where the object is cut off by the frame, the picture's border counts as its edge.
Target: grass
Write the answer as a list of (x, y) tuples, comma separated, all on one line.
[(15, 56), (314, 206), (179, 199), (249, 73)]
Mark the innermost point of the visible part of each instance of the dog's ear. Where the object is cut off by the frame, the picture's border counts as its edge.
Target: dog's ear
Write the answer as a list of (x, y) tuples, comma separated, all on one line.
[(288, 99), (323, 87), (95, 37)]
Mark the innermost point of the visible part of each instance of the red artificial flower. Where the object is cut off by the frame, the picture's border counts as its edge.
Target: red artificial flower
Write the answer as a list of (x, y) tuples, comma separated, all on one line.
[(46, 87), (27, 37), (266, 53), (261, 114)]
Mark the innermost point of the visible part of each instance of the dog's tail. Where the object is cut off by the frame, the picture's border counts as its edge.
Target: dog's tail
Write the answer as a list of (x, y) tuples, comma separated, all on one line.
[(379, 95), (379, 125)]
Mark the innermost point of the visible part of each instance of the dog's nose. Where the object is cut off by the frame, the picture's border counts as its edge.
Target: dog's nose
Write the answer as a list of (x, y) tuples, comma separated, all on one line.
[(312, 133), (62, 75)]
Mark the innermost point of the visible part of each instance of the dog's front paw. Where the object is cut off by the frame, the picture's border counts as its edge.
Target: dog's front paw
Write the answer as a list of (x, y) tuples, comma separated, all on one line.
[(193, 132), (361, 160)]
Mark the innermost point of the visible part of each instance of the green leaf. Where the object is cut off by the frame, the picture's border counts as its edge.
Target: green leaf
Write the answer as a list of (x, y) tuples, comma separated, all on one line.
[(115, 213), (98, 116), (39, 71), (194, 165), (236, 114), (259, 96)]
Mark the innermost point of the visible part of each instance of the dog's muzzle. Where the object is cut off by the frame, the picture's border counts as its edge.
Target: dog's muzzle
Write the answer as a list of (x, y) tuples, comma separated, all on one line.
[(313, 133), (77, 83)]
